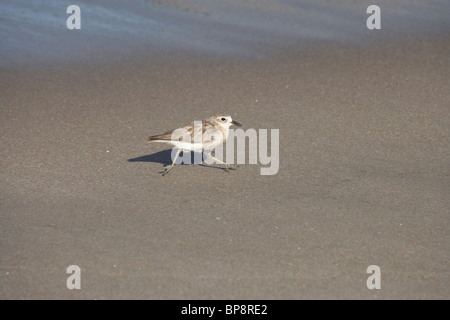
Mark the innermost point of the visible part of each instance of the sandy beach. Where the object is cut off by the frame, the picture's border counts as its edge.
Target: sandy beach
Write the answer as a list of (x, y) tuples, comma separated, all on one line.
[(364, 152)]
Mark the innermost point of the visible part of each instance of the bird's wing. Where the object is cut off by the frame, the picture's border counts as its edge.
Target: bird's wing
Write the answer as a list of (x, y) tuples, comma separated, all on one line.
[(192, 133), (179, 134)]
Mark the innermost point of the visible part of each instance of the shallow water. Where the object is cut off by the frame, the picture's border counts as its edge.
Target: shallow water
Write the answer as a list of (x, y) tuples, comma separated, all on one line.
[(34, 33)]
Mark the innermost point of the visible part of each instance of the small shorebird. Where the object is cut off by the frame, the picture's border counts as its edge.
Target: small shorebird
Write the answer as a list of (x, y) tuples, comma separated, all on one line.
[(202, 135)]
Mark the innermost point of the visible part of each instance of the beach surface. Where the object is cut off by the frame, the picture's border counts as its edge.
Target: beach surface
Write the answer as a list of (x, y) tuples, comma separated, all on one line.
[(364, 150)]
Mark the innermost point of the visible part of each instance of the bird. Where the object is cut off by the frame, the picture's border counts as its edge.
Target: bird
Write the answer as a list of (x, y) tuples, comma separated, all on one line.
[(202, 135)]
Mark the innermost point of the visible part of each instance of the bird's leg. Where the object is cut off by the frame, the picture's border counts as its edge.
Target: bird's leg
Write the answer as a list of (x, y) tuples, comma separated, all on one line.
[(167, 169), (219, 161)]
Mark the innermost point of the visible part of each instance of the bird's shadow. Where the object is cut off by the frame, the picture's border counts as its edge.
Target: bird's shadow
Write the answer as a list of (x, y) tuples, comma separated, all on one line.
[(164, 157)]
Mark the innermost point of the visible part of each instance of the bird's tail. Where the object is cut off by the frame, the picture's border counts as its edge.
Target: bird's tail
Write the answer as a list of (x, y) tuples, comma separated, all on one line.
[(157, 138)]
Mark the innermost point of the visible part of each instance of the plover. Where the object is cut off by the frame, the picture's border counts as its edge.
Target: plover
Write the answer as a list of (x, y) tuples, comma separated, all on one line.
[(198, 136)]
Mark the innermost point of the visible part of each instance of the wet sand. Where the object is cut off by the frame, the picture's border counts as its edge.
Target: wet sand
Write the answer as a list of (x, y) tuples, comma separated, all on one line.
[(363, 179)]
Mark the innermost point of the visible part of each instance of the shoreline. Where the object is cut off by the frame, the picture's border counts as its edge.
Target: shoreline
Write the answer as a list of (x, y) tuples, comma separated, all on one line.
[(35, 35)]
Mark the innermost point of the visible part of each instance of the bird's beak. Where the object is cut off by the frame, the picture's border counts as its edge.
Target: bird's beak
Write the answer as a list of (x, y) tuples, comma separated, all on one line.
[(236, 123)]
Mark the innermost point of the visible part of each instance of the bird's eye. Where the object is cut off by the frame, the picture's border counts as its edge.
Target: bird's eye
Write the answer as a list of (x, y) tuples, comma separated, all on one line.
[(223, 119)]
